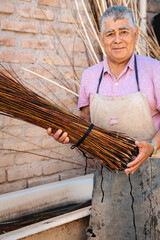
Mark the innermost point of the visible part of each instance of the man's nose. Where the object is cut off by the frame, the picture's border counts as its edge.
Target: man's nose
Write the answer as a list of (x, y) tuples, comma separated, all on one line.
[(117, 38)]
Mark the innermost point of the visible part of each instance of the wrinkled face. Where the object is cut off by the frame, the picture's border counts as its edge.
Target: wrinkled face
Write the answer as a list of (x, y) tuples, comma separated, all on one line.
[(119, 40)]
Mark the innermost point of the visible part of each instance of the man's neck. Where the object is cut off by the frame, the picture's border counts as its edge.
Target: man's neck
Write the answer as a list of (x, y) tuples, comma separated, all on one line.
[(116, 68)]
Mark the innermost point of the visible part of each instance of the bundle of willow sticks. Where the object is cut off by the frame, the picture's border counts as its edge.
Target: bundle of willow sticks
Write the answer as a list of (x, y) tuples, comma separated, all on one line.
[(113, 150)]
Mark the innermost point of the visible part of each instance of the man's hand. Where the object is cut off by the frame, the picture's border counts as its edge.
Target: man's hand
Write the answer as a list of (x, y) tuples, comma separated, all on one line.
[(60, 136), (145, 151)]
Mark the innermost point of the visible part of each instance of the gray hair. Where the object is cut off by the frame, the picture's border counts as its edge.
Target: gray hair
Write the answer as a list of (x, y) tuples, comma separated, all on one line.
[(115, 13)]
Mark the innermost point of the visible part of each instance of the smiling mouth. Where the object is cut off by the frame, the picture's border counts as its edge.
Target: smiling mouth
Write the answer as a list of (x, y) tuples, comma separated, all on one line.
[(118, 49)]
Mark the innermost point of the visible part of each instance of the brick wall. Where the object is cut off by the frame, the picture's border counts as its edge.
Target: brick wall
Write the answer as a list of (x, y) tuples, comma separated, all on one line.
[(39, 35)]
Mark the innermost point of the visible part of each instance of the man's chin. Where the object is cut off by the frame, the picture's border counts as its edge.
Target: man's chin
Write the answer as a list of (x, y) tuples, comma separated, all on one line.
[(119, 55), (120, 59)]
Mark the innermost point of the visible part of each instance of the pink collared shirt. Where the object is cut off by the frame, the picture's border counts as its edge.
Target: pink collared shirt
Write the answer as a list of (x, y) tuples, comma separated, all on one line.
[(149, 82)]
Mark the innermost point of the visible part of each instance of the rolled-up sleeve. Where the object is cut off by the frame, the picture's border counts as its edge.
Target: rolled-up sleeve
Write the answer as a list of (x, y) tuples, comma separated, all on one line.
[(156, 81), (83, 96)]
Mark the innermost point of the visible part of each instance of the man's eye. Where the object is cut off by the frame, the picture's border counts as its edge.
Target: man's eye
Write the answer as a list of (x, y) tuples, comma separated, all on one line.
[(109, 35), (123, 32)]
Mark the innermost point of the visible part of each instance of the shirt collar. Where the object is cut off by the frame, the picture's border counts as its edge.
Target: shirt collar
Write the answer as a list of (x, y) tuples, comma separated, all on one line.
[(130, 64)]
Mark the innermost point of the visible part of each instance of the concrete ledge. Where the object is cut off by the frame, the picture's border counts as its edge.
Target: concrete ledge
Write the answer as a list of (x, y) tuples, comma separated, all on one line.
[(19, 203), (31, 232)]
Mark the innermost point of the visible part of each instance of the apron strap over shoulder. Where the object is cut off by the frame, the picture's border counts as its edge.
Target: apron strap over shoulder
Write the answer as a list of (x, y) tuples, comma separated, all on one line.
[(136, 72), (100, 79)]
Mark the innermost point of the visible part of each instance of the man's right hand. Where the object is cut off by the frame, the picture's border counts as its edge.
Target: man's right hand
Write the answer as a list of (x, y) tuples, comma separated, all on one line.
[(59, 135)]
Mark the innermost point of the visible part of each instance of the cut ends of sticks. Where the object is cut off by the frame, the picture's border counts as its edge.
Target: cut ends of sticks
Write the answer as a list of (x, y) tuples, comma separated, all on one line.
[(111, 149)]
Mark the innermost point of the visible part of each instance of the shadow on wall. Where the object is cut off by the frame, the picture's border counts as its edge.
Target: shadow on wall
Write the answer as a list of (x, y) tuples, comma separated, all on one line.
[(156, 27)]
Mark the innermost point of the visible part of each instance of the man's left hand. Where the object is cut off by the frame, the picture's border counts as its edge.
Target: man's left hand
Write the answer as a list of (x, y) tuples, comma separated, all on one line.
[(145, 151)]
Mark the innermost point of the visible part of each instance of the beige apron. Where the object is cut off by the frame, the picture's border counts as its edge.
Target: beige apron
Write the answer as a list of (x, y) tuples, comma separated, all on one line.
[(117, 217), (127, 114)]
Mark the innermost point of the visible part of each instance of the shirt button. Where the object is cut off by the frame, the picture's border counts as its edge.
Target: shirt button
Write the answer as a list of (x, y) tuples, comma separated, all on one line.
[(116, 84)]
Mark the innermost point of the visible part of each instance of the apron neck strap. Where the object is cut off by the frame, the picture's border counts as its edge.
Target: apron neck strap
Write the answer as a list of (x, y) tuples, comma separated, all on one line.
[(136, 73), (100, 79)]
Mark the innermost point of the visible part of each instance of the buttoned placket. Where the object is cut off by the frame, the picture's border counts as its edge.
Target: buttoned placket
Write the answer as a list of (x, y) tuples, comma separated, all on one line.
[(115, 81)]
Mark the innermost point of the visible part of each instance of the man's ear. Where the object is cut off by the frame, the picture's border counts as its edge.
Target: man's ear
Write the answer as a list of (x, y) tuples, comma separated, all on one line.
[(136, 32), (101, 39)]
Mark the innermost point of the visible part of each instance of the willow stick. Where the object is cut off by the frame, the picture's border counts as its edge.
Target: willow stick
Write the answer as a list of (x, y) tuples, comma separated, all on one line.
[(38, 75), (86, 34), (93, 29)]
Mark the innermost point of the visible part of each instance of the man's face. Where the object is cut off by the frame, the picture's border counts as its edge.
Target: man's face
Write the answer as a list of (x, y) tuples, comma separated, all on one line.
[(119, 40)]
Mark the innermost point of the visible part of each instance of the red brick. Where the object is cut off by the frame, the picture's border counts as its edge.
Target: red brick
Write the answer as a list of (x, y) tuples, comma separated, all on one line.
[(53, 3), (7, 41), (2, 134), (11, 187), (31, 43), (68, 72), (67, 101), (26, 158), (80, 60), (48, 73), (71, 3), (72, 155), (2, 176), (17, 57), (20, 145), (36, 13), (22, 165), (51, 167), (12, 122), (12, 131), (43, 180), (6, 8), (16, 26), (26, 0), (34, 131), (64, 16), (52, 92), (24, 171), (73, 45), (63, 30), (34, 86), (65, 166), (2, 121), (7, 160), (13, 70), (72, 173), (54, 60), (49, 142), (43, 14)]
